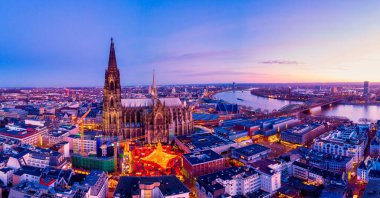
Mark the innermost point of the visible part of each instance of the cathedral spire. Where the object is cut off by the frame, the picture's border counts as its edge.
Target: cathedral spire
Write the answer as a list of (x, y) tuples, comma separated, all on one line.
[(112, 57), (153, 91), (154, 80), (112, 115)]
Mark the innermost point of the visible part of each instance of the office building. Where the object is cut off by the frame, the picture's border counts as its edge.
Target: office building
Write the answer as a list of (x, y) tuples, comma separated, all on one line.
[(236, 129), (316, 175), (204, 141), (302, 134), (335, 163), (366, 91), (230, 182), (97, 181), (27, 173), (26, 134), (270, 174), (250, 153), (346, 141), (37, 157), (239, 128), (155, 186), (202, 163)]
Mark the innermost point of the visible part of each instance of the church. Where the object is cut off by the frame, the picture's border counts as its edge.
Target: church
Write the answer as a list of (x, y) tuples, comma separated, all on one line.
[(153, 119)]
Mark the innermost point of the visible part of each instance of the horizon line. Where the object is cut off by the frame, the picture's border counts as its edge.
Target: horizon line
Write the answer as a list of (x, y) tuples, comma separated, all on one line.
[(168, 84)]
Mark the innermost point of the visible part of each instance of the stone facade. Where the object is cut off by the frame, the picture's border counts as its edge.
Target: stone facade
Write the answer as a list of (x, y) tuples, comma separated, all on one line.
[(152, 119), (112, 111)]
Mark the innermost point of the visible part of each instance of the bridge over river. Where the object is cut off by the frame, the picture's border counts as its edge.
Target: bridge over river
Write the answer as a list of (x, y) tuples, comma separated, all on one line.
[(311, 104)]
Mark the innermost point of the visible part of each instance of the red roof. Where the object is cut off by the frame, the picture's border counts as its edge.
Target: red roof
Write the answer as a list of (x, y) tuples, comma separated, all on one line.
[(46, 183)]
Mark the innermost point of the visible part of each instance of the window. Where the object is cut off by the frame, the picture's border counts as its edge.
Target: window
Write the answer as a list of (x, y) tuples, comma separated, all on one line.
[(112, 103), (112, 86)]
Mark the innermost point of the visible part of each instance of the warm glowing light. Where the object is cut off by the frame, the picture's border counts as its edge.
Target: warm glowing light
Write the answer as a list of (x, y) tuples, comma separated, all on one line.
[(242, 139), (159, 157), (155, 161), (273, 138)]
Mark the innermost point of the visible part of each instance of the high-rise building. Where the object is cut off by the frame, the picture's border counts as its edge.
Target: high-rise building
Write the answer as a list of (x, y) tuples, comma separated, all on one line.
[(366, 91)]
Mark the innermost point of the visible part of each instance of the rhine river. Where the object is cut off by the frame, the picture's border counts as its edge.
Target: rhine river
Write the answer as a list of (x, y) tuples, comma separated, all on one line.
[(352, 112)]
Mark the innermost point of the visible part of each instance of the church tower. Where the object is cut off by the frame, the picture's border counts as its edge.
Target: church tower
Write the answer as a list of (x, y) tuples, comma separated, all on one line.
[(153, 89), (112, 109)]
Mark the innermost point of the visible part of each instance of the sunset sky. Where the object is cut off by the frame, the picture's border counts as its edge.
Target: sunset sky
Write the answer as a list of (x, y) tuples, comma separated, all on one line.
[(66, 43)]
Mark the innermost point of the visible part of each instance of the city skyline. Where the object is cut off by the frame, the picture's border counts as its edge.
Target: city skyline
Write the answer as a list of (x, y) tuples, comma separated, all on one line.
[(59, 44), (189, 98)]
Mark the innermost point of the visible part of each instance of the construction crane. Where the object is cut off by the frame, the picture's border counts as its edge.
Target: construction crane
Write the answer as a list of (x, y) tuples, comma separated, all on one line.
[(81, 130)]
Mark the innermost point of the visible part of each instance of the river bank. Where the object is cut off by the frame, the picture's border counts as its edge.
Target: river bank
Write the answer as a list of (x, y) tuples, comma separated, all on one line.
[(361, 104), (277, 98), (352, 112), (244, 98)]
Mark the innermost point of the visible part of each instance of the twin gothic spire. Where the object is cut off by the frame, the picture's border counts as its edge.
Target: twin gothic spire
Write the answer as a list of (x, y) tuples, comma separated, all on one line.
[(112, 65)]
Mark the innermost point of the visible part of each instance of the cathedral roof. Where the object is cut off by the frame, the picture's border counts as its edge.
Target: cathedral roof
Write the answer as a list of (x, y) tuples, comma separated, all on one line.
[(147, 102)]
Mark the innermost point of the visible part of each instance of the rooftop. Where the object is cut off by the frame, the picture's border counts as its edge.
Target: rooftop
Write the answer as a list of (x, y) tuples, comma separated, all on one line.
[(316, 156), (239, 121), (326, 174), (147, 102), (345, 135), (204, 141), (93, 177), (59, 145), (58, 133), (264, 166), (29, 189), (205, 117), (202, 157), (30, 170), (17, 132), (302, 129), (128, 186), (250, 150), (209, 181)]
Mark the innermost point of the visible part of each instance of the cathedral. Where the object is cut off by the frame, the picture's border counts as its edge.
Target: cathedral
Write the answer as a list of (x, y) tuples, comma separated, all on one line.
[(153, 119)]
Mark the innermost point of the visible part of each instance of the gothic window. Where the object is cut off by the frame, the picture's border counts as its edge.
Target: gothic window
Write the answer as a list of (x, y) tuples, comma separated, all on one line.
[(159, 122), (112, 86), (112, 103)]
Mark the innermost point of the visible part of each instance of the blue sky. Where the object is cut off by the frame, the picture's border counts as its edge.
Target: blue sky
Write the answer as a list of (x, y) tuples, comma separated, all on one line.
[(66, 43)]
